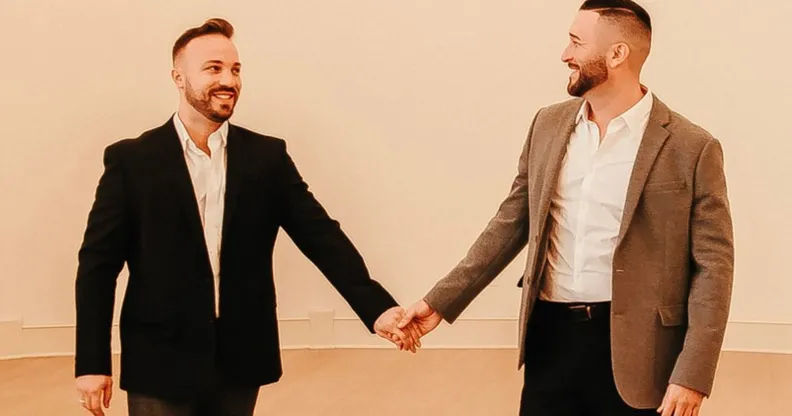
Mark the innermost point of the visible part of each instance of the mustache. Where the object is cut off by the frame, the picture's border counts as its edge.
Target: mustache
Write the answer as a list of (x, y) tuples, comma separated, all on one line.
[(231, 90)]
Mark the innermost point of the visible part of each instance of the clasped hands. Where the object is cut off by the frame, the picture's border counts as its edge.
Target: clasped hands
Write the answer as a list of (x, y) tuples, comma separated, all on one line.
[(405, 327)]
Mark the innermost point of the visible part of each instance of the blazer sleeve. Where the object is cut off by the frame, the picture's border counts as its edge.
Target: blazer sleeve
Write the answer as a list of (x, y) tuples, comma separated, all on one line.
[(321, 239), (100, 259), (495, 248), (712, 256)]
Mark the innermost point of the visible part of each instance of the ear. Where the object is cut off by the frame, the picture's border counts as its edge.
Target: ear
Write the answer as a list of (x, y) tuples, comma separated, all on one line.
[(178, 78), (618, 54)]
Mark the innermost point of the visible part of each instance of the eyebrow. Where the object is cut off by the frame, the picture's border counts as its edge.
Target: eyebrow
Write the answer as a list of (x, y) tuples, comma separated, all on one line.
[(217, 61)]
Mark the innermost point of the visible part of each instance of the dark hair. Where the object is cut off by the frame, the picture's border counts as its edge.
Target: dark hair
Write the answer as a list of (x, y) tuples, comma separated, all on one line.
[(618, 9), (210, 27)]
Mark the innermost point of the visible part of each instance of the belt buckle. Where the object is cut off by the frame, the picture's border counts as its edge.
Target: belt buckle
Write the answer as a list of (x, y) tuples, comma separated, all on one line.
[(587, 308)]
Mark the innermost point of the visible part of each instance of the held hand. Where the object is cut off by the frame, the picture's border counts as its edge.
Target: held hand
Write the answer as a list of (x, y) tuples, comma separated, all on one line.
[(681, 401), (386, 327), (95, 391), (421, 318)]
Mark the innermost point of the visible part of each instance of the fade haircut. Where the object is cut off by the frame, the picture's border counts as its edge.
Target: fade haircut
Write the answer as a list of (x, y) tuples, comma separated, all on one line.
[(215, 26), (628, 15)]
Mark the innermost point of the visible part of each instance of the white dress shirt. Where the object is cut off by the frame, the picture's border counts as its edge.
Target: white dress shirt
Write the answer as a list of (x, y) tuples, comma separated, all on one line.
[(208, 175), (587, 206)]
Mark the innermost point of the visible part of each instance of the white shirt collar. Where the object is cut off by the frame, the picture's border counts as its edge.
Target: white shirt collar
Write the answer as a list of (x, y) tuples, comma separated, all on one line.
[(635, 117), (218, 137)]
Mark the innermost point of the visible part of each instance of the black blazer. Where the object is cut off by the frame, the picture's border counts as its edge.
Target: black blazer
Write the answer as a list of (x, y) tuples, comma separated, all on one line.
[(145, 214)]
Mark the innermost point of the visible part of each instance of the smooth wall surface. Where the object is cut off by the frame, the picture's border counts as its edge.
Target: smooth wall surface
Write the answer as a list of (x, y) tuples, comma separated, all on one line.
[(406, 118)]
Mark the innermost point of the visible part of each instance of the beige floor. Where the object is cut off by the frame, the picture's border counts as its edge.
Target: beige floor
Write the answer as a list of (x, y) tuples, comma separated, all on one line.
[(387, 382)]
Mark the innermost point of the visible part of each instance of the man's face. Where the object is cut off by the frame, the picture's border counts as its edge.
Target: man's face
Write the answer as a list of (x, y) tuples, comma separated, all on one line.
[(584, 55), (210, 76)]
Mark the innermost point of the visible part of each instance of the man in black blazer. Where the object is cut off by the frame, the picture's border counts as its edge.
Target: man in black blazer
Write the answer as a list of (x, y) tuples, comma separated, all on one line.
[(193, 207)]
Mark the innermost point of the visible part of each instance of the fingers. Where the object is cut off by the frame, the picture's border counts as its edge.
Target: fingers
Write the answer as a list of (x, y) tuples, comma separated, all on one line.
[(679, 406), (409, 343), (687, 409), (108, 394), (395, 339), (406, 339), (404, 327), (663, 405), (667, 408), (680, 401), (396, 336), (416, 335), (391, 337), (93, 402), (408, 316)]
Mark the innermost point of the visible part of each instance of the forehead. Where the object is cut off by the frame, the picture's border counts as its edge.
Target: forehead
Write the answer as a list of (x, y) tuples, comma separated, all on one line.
[(586, 25), (211, 48)]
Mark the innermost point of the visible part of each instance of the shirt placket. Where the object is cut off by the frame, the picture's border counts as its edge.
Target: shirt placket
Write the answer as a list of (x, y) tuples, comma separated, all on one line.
[(592, 144), (212, 228)]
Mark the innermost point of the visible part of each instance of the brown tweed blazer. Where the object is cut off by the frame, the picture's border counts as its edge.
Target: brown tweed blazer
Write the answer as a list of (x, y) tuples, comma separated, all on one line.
[(672, 267)]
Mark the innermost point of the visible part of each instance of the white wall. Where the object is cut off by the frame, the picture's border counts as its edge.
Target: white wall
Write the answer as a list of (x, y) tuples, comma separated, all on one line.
[(406, 118)]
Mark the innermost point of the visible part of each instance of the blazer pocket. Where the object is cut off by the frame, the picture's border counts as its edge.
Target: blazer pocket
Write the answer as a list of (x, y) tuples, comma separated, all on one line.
[(673, 315), (664, 186)]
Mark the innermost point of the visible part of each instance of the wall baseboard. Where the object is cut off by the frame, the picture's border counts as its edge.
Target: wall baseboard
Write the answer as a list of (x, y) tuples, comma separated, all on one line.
[(321, 330)]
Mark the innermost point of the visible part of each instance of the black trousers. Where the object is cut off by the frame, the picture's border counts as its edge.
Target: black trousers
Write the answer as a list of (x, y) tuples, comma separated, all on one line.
[(224, 399), (568, 364)]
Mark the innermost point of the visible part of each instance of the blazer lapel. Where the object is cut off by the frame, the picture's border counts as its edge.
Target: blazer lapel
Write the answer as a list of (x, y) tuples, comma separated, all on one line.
[(554, 156), (179, 177), (181, 182), (653, 140), (236, 161)]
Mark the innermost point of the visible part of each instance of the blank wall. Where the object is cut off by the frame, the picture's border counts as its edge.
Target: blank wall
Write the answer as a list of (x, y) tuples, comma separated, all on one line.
[(406, 118)]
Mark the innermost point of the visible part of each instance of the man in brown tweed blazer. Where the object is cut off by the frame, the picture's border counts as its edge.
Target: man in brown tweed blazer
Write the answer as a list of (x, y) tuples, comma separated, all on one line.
[(623, 206)]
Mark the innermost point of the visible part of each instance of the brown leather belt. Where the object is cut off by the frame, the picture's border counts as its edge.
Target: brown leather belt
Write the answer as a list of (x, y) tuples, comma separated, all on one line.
[(576, 312)]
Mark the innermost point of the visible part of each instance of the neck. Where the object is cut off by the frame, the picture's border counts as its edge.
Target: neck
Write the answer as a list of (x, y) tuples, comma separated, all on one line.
[(198, 126), (612, 100)]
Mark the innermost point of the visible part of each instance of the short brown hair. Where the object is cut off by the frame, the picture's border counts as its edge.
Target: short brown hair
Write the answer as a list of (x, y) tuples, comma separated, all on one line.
[(214, 26)]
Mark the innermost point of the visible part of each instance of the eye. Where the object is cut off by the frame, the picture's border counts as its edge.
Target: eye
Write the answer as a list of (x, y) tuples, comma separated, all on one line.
[(214, 68)]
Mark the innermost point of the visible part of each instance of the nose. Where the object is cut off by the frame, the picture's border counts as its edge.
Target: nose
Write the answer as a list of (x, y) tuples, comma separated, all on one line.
[(228, 79), (566, 57)]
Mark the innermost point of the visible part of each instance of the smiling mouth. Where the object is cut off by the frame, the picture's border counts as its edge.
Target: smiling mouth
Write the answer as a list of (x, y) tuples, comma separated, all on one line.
[(224, 95)]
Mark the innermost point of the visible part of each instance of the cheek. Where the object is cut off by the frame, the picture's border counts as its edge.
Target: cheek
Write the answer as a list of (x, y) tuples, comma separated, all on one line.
[(203, 82), (582, 59)]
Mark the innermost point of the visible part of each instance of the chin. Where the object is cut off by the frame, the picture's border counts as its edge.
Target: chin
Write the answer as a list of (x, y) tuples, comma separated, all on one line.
[(224, 112), (219, 116)]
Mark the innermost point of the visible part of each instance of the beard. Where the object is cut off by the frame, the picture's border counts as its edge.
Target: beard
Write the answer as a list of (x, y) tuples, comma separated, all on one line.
[(591, 74), (202, 102)]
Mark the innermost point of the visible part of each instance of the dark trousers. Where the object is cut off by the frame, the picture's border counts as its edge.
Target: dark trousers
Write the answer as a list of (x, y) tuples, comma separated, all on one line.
[(223, 400), (568, 364)]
